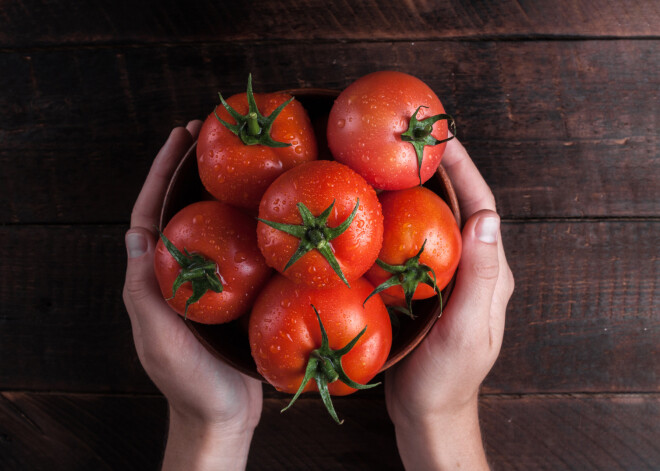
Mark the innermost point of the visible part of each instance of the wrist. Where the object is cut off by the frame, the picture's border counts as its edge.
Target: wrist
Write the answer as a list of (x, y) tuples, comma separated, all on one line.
[(450, 439), (198, 445)]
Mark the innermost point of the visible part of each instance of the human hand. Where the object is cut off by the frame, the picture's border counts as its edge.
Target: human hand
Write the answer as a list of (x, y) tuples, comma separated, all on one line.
[(213, 408), (432, 395)]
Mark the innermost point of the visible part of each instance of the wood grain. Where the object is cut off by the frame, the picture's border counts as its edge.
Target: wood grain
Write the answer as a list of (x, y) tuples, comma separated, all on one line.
[(555, 101), (82, 432), (583, 318), (43, 23), (560, 129)]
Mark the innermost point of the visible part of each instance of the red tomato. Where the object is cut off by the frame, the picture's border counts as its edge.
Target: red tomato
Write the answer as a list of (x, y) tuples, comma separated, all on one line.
[(284, 331), (223, 242), (330, 192), (238, 173), (413, 218), (367, 122)]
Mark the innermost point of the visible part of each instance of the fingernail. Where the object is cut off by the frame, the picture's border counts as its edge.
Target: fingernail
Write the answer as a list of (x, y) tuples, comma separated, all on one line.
[(487, 228), (136, 244)]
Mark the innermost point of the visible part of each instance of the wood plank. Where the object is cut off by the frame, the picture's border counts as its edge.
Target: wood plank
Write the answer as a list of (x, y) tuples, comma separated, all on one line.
[(63, 322), (560, 129), (43, 23), (71, 432), (81, 432), (583, 317), (572, 432)]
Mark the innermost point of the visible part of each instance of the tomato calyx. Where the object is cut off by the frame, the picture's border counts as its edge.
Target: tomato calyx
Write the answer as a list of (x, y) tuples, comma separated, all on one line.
[(408, 276), (253, 128), (324, 366), (200, 272), (419, 134), (314, 233)]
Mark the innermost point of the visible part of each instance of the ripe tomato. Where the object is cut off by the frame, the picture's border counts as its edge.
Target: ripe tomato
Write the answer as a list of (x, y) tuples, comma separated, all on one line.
[(320, 224), (285, 336), (224, 266), (369, 123), (239, 173), (416, 218)]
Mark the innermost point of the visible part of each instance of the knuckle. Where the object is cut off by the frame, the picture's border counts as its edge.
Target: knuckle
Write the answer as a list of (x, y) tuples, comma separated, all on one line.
[(135, 289), (486, 271), (489, 201)]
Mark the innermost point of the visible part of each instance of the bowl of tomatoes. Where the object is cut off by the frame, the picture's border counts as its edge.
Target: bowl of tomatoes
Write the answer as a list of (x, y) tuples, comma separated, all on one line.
[(401, 215)]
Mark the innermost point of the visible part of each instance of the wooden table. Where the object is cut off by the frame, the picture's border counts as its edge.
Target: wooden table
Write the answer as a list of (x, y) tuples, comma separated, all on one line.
[(557, 102)]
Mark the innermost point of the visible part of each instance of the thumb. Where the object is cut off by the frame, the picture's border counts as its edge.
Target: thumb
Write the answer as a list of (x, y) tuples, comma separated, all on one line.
[(144, 301), (140, 245), (140, 287), (477, 274)]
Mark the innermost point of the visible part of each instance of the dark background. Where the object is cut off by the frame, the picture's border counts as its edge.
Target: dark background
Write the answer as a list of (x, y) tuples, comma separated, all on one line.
[(557, 102)]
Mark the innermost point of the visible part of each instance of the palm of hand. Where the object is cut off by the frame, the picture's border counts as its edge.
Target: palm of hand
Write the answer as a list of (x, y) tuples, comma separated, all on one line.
[(195, 382)]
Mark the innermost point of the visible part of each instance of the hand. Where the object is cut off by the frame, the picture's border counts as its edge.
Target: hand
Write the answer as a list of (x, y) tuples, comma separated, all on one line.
[(432, 395), (213, 408)]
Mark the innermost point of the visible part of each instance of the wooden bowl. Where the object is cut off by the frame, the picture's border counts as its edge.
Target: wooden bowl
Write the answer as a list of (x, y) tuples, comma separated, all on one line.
[(229, 342)]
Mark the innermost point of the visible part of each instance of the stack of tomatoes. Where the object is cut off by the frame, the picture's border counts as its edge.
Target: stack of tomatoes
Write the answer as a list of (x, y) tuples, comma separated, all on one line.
[(346, 237)]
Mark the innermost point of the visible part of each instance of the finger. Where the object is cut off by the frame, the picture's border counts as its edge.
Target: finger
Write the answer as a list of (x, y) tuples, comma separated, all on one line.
[(503, 291), (142, 296), (471, 189), (468, 311), (193, 128), (146, 211)]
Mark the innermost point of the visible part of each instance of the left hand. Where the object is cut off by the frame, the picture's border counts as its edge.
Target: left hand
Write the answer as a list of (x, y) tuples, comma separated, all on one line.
[(205, 395)]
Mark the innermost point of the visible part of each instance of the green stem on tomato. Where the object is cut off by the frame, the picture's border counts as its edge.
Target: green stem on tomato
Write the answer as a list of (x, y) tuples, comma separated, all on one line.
[(419, 135), (314, 233), (408, 276), (200, 272), (253, 128), (324, 366), (253, 124)]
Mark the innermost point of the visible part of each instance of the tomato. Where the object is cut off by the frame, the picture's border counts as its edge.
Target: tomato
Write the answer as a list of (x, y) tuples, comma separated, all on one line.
[(215, 267), (320, 224), (285, 336), (416, 219), (239, 173), (376, 127)]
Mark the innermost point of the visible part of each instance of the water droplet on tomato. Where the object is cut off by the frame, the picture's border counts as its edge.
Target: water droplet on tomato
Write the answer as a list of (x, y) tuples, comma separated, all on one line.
[(198, 219), (341, 123)]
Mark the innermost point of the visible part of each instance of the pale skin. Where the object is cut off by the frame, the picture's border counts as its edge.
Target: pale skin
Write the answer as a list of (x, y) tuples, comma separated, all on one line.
[(432, 395)]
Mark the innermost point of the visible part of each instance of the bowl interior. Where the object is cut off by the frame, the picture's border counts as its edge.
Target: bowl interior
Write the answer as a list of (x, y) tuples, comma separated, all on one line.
[(229, 342)]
